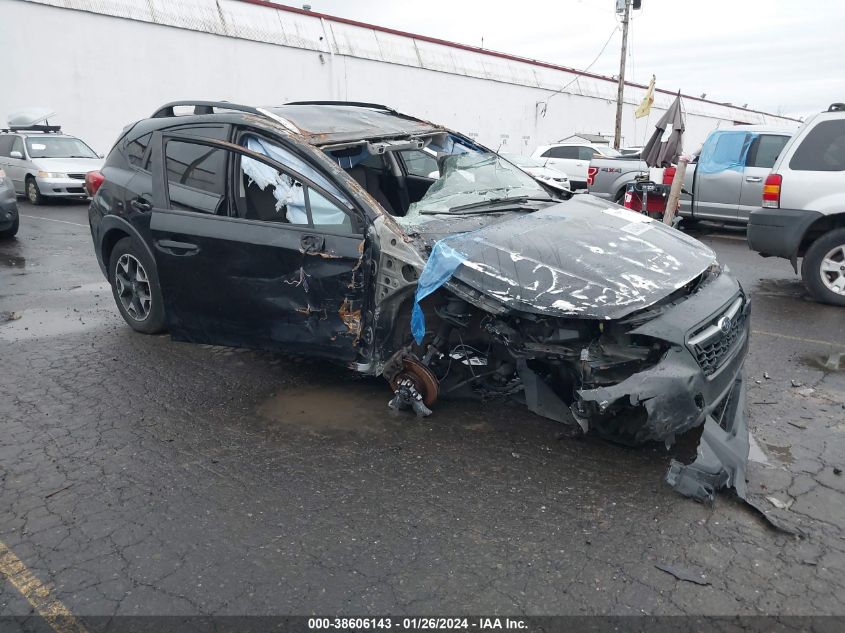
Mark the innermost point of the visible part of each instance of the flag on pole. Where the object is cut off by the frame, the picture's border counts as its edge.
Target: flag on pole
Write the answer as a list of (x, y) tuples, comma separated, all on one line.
[(648, 100)]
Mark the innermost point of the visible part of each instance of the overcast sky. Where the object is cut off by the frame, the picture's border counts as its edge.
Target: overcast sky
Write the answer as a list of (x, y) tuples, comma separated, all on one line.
[(781, 56)]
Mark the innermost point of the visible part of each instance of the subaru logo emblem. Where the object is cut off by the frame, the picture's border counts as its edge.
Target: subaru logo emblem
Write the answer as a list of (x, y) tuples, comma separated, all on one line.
[(725, 324)]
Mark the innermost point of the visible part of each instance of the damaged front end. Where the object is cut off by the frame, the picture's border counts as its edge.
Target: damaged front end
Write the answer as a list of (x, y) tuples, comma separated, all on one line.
[(648, 375), (627, 381)]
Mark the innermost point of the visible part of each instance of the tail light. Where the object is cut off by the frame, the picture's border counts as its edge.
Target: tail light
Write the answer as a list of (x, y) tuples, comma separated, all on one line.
[(93, 181), (771, 191), (591, 175), (669, 175)]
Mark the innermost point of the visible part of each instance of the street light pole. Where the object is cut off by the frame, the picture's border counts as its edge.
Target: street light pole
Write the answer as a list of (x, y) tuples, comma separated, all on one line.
[(620, 92)]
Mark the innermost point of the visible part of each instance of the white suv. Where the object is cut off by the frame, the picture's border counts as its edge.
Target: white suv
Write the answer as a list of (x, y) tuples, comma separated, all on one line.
[(803, 208), (573, 159)]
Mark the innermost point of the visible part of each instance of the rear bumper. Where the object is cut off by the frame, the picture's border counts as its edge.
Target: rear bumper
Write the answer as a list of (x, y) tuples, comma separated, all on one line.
[(778, 232)]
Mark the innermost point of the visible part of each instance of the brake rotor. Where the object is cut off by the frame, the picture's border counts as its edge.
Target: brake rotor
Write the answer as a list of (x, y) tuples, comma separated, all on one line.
[(423, 380)]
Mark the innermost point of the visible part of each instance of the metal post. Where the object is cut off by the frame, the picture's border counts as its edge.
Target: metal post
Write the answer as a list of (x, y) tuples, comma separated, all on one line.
[(675, 192), (620, 93)]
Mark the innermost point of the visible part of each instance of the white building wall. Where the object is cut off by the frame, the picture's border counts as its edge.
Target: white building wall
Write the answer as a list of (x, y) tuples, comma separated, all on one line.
[(102, 64)]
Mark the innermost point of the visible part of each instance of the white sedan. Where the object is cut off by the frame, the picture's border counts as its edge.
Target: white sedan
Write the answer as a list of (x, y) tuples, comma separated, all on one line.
[(539, 170)]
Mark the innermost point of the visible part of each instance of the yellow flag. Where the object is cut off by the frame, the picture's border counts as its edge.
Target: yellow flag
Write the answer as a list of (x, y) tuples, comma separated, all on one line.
[(648, 100)]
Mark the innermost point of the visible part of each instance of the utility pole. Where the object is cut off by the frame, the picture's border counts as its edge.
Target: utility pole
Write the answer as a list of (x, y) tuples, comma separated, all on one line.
[(620, 92)]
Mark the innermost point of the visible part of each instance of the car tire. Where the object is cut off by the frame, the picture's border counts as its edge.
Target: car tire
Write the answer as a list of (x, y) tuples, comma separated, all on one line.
[(135, 287), (12, 230), (823, 268), (33, 193)]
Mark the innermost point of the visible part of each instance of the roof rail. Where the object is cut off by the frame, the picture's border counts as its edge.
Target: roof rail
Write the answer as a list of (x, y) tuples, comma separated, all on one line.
[(354, 104), (836, 107), (202, 107), (207, 107), (52, 129)]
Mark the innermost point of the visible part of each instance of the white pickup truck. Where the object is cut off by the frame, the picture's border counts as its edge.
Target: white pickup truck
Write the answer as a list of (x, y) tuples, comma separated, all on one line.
[(728, 195)]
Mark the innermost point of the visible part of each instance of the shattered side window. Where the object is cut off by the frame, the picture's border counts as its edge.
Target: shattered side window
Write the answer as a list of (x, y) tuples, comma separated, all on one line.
[(269, 195), (289, 159)]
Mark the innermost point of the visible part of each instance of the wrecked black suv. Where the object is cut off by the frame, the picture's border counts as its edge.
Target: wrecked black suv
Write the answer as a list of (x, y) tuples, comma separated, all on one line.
[(353, 232)]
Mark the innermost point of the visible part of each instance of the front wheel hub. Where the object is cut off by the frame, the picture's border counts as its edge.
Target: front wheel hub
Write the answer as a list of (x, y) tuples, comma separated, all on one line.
[(832, 270), (415, 388)]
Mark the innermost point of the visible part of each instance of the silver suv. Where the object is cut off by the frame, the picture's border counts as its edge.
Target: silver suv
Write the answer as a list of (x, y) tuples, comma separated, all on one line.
[(43, 163), (803, 206)]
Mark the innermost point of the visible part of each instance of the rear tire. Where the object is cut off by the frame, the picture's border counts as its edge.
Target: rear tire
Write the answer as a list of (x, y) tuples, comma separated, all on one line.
[(135, 287), (823, 268), (33, 193), (12, 230)]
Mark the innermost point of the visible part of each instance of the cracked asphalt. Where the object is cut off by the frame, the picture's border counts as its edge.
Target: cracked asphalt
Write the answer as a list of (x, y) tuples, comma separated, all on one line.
[(143, 476)]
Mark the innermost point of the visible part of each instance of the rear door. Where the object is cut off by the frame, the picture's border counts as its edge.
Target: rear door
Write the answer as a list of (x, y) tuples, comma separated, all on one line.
[(252, 253), (761, 158)]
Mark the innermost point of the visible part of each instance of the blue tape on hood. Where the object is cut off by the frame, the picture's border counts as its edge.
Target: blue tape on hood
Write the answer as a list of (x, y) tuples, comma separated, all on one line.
[(725, 150), (442, 263)]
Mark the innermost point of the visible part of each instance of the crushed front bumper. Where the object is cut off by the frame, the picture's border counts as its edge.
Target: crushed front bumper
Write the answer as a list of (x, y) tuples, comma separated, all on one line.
[(698, 381)]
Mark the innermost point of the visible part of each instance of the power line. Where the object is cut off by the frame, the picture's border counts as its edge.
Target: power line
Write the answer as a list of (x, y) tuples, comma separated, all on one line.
[(578, 73)]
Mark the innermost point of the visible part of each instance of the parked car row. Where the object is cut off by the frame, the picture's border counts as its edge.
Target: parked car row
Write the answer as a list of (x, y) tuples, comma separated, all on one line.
[(41, 161), (788, 188)]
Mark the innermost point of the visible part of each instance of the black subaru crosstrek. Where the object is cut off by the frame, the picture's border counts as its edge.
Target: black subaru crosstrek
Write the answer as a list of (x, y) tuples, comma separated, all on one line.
[(355, 233)]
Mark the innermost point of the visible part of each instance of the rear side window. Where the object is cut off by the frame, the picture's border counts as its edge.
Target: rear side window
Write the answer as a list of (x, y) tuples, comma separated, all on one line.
[(196, 176), (764, 150), (562, 152), (136, 151), (5, 144), (823, 149), (17, 145)]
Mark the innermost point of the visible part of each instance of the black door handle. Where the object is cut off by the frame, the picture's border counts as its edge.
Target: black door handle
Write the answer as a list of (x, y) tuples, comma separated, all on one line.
[(310, 244), (141, 205), (177, 248)]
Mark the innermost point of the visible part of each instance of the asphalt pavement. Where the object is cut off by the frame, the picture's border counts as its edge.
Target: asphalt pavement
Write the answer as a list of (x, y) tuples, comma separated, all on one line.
[(143, 476)]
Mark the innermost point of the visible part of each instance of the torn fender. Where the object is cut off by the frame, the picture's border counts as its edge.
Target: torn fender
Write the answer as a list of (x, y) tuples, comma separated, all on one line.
[(722, 454)]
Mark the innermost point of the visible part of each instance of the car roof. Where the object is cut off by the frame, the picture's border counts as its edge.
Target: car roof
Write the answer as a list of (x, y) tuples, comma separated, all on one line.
[(326, 122), (317, 122)]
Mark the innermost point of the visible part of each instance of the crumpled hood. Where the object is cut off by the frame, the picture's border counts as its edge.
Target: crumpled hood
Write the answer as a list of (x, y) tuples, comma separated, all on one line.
[(581, 258)]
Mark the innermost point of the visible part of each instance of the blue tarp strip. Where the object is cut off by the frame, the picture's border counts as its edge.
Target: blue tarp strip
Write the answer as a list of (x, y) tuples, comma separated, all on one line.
[(442, 263), (725, 150)]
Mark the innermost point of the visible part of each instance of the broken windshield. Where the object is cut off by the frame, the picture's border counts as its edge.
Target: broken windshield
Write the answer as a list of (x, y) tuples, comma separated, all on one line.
[(469, 180)]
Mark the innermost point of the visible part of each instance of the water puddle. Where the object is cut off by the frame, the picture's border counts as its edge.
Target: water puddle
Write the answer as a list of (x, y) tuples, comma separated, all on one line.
[(352, 405), (781, 453), (826, 362), (12, 261), (41, 323)]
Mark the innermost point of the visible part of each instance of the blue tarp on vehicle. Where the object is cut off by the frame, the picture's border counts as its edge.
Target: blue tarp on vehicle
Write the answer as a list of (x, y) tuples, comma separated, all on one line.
[(725, 150)]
